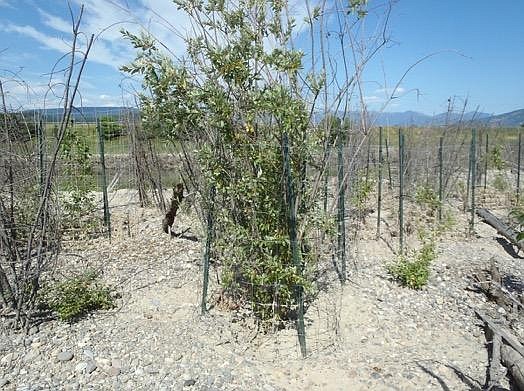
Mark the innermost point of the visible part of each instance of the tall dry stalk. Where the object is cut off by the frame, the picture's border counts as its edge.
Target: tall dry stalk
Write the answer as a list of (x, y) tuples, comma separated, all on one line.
[(29, 229)]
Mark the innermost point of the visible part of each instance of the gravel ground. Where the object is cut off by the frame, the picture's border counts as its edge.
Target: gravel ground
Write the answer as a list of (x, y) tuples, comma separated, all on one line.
[(370, 334)]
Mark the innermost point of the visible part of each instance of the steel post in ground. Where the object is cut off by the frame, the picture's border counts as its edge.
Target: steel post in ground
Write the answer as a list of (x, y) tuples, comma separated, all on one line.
[(388, 162), (107, 214), (486, 158), (440, 177), (401, 189), (379, 190), (40, 134), (207, 252), (519, 158), (473, 165), (295, 250), (341, 213)]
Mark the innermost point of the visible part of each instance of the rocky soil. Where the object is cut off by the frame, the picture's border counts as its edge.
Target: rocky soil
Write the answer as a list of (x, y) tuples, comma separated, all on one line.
[(370, 334)]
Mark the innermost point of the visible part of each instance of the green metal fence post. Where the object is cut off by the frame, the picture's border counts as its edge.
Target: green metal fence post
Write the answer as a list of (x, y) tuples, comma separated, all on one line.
[(379, 197), (207, 252), (341, 223), (518, 166), (473, 164), (440, 171), (40, 134), (486, 158), (326, 176), (107, 214), (295, 251), (368, 159), (468, 183), (401, 189), (390, 186)]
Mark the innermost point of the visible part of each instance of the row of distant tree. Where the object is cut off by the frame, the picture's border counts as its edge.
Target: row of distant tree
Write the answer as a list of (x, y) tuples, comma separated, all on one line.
[(22, 128)]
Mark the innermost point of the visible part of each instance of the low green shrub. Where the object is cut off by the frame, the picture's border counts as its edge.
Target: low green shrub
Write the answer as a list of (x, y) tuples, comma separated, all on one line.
[(73, 298), (362, 191), (500, 182), (427, 197), (77, 201), (517, 216), (78, 207), (413, 271), (495, 159), (111, 128), (447, 222)]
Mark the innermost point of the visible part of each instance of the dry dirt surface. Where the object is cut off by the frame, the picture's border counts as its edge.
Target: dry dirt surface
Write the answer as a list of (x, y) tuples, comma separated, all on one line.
[(370, 334)]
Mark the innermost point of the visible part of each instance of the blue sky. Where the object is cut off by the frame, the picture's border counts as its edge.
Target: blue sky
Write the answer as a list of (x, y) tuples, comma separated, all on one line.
[(476, 50)]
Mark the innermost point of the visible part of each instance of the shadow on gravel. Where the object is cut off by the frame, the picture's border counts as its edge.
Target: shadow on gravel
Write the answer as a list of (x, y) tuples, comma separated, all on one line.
[(508, 247), (513, 284), (183, 235), (467, 380), (434, 375)]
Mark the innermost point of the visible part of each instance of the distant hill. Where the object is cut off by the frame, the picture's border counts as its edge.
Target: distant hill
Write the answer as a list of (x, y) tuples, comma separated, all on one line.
[(400, 119), (81, 114), (413, 118), (451, 118), (406, 118), (511, 119)]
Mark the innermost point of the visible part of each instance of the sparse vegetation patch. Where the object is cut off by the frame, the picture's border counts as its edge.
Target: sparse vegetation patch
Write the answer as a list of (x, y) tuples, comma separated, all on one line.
[(75, 297)]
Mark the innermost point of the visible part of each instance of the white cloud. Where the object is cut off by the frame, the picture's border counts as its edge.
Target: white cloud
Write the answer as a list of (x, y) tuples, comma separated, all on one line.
[(55, 22), (389, 91), (37, 93), (109, 100), (100, 52), (46, 40), (26, 94), (105, 19)]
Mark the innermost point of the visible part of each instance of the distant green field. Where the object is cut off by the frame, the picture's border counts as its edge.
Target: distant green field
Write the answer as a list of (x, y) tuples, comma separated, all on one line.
[(115, 146), (119, 163)]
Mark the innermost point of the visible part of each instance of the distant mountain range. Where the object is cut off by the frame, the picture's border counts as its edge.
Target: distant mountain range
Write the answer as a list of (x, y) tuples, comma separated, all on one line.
[(406, 118), (81, 114)]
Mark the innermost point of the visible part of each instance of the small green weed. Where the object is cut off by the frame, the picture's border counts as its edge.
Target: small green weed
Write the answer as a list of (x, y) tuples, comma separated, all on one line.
[(447, 223), (78, 207), (413, 271), (500, 183), (496, 159), (517, 215), (75, 297), (363, 189), (427, 197)]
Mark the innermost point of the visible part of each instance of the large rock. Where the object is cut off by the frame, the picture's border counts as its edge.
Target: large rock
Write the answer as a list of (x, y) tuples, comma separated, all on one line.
[(64, 356)]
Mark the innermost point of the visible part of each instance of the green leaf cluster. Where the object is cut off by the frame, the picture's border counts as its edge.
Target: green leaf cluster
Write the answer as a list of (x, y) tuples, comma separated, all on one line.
[(362, 191), (427, 197), (76, 297), (232, 98), (413, 271), (77, 202), (500, 183), (517, 214), (111, 128), (495, 158), (76, 152)]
